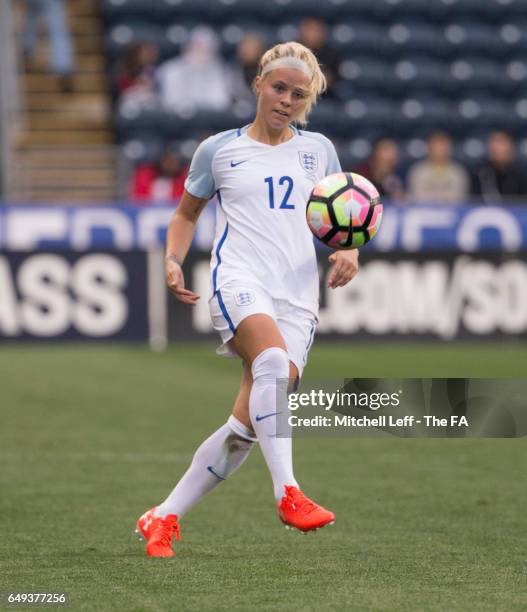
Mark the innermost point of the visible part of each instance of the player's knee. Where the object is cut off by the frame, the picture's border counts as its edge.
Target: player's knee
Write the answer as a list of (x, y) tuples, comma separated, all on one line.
[(237, 444), (294, 383), (294, 378), (271, 363), (240, 430)]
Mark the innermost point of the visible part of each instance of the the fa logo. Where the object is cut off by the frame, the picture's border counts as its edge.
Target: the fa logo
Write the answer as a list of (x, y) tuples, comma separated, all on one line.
[(308, 161), (244, 297), (460, 421)]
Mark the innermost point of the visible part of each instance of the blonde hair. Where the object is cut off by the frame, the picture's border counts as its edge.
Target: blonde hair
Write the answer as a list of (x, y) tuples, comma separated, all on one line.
[(316, 86)]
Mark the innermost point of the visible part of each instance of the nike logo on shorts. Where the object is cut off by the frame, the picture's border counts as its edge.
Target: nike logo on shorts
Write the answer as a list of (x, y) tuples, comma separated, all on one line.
[(261, 418)]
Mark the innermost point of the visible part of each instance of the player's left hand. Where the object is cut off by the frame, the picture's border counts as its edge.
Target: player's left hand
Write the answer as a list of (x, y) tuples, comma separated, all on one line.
[(345, 267)]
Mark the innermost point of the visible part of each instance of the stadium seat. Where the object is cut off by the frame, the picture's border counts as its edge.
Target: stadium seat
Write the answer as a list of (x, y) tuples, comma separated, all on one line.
[(513, 37), (146, 149), (470, 38), (490, 11), (502, 10), (327, 117), (466, 151), (370, 112), (174, 37), (516, 70), (477, 73), (116, 11), (478, 114), (269, 13), (174, 126), (411, 37), (413, 73), (363, 117), (331, 11), (356, 37), (232, 32), (121, 35), (364, 72), (420, 114), (392, 11), (397, 79), (455, 10), (411, 150), (522, 152), (131, 119), (520, 116), (142, 150), (202, 10), (354, 152), (471, 150)]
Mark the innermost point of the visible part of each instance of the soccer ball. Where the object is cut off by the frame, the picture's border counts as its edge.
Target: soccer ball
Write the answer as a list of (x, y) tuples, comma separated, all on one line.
[(344, 210)]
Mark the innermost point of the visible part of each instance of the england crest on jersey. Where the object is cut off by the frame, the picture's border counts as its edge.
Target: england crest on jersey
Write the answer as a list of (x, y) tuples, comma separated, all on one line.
[(308, 161)]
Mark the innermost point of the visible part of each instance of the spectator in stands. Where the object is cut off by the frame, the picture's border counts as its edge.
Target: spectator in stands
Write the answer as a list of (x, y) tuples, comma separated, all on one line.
[(499, 178), (438, 178), (160, 182), (137, 67), (53, 12), (250, 50), (382, 170), (313, 33), (199, 79)]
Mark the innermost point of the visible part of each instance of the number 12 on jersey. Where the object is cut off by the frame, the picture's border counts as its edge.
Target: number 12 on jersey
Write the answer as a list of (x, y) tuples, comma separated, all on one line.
[(284, 180)]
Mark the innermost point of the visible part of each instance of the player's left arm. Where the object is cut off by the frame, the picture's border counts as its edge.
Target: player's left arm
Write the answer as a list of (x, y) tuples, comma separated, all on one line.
[(345, 267)]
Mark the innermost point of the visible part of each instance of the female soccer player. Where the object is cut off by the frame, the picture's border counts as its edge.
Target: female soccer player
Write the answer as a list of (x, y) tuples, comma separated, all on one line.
[(264, 298)]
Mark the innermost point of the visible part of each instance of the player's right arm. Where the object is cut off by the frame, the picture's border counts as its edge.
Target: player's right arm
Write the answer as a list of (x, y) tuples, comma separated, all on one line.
[(179, 238), (200, 181)]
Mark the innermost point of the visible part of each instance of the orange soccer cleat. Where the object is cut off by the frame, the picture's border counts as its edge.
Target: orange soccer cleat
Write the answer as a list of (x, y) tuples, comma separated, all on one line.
[(158, 533), (298, 511)]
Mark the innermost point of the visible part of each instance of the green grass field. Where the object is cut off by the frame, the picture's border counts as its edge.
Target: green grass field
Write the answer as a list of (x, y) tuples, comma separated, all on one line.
[(93, 436)]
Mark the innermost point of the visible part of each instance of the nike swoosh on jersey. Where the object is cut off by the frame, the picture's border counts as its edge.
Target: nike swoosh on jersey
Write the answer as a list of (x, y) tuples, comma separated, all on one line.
[(234, 164)]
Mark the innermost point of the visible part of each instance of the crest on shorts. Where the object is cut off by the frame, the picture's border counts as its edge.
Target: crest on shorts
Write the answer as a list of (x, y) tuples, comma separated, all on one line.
[(308, 161), (244, 297)]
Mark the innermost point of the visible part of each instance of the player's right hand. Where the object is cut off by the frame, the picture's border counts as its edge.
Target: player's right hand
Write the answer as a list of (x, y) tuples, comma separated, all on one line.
[(176, 283)]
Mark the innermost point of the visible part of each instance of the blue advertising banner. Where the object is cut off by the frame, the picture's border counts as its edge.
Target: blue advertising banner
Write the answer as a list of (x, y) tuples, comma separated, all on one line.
[(123, 228)]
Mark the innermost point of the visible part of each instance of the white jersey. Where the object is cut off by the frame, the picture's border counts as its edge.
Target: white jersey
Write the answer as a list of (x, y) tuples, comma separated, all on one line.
[(262, 236)]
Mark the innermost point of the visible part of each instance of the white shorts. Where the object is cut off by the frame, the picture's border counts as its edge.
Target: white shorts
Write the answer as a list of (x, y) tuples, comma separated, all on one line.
[(231, 304)]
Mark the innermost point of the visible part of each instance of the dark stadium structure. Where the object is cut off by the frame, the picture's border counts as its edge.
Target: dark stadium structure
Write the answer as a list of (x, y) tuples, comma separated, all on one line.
[(407, 67)]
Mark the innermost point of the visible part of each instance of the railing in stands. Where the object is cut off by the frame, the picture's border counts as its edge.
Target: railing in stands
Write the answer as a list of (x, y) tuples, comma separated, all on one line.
[(9, 96)]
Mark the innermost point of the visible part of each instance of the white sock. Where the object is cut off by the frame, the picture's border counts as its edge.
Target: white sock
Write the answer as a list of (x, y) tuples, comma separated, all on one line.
[(215, 460), (270, 365)]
